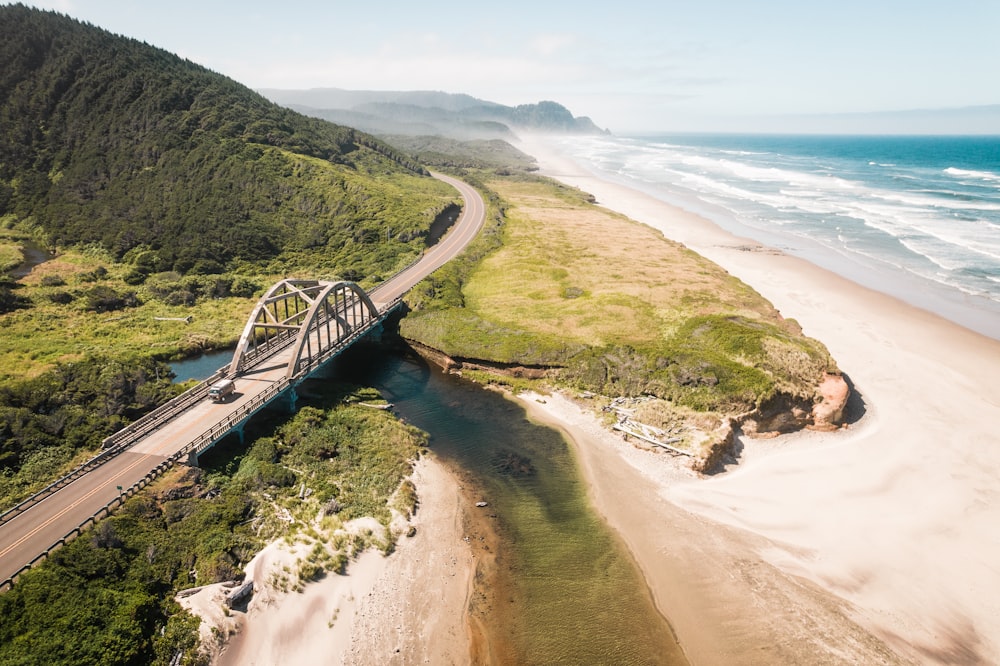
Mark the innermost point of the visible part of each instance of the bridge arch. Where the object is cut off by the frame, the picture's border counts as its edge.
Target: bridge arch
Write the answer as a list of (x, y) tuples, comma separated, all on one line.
[(311, 315)]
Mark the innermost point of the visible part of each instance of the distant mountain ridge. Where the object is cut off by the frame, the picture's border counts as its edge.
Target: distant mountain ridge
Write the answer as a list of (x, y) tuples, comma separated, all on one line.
[(425, 112)]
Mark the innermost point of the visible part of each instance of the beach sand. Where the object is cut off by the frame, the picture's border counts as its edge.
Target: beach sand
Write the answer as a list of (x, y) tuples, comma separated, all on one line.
[(407, 608), (892, 523)]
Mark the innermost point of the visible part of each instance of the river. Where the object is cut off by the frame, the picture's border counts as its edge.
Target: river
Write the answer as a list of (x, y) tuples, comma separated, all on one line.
[(564, 589), (33, 255)]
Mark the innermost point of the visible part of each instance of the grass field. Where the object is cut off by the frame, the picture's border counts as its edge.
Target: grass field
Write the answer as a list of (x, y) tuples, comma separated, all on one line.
[(50, 332)]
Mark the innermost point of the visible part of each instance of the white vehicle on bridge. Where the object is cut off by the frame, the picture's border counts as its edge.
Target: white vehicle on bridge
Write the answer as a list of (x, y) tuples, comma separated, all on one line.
[(221, 390)]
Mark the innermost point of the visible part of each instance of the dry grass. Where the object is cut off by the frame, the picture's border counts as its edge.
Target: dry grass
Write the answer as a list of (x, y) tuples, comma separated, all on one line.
[(586, 274)]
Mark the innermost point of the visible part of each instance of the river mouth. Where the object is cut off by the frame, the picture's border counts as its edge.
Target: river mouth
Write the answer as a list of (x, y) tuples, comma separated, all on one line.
[(556, 584)]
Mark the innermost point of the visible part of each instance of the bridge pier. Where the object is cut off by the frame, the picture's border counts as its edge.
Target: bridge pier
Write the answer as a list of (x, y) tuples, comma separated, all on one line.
[(290, 397)]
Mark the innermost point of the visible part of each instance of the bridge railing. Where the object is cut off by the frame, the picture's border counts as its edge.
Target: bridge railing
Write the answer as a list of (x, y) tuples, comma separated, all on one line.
[(102, 512), (152, 420), (119, 441), (233, 419), (331, 351)]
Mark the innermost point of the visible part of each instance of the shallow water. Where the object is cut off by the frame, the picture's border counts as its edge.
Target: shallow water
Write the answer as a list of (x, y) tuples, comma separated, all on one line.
[(201, 367), (33, 256), (571, 592)]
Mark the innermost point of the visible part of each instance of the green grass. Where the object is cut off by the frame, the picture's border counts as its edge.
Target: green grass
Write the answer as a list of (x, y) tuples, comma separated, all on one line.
[(10, 254), (51, 332)]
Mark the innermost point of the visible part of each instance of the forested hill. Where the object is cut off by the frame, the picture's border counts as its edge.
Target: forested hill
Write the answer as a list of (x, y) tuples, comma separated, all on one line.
[(104, 139)]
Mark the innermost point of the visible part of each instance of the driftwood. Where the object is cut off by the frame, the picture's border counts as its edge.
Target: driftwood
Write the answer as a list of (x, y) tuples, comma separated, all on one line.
[(624, 427), (240, 594), (371, 406), (186, 320)]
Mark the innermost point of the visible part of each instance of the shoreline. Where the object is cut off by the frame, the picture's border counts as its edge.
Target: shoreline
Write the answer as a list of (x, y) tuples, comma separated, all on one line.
[(895, 520), (969, 310)]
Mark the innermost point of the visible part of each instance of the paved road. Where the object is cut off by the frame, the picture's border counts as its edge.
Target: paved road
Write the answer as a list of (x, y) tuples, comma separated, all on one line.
[(32, 532), (465, 229)]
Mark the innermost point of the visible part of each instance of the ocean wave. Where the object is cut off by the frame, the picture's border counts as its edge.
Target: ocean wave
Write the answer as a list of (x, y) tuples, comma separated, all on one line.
[(915, 200), (971, 173), (771, 174)]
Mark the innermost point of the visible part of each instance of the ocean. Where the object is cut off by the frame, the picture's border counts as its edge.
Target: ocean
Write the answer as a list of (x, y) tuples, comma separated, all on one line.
[(917, 217)]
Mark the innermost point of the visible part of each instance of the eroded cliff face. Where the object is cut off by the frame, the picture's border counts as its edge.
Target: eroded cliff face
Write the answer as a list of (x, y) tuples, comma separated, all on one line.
[(780, 415), (783, 413), (828, 414)]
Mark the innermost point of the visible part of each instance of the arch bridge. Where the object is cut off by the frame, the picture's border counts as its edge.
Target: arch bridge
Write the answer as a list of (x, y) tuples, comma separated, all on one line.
[(317, 319), (293, 330)]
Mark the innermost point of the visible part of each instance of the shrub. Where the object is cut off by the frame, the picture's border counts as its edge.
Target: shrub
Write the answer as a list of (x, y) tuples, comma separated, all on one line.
[(106, 299)]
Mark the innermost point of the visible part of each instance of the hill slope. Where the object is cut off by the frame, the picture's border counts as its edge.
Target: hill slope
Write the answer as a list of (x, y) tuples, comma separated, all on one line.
[(107, 140)]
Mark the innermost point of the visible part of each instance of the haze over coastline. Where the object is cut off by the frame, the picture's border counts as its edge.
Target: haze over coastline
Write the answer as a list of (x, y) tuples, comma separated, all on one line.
[(718, 65)]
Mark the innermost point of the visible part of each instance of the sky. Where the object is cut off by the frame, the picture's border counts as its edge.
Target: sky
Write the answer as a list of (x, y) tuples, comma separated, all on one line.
[(632, 66)]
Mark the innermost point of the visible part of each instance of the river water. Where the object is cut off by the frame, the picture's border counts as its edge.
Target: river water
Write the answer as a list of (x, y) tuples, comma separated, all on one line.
[(33, 255), (573, 593), (564, 589)]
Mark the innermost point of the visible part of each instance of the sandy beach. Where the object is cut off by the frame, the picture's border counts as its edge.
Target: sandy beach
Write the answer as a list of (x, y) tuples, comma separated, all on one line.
[(407, 608), (886, 532)]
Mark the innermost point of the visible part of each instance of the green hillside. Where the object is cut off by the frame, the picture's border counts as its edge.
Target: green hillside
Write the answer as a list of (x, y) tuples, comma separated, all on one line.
[(106, 140)]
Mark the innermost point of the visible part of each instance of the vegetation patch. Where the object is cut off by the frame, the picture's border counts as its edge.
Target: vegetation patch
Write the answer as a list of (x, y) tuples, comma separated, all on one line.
[(305, 477)]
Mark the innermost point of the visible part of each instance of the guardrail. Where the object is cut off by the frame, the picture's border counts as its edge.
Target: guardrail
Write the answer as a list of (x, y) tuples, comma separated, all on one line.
[(100, 513), (64, 480), (119, 441)]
